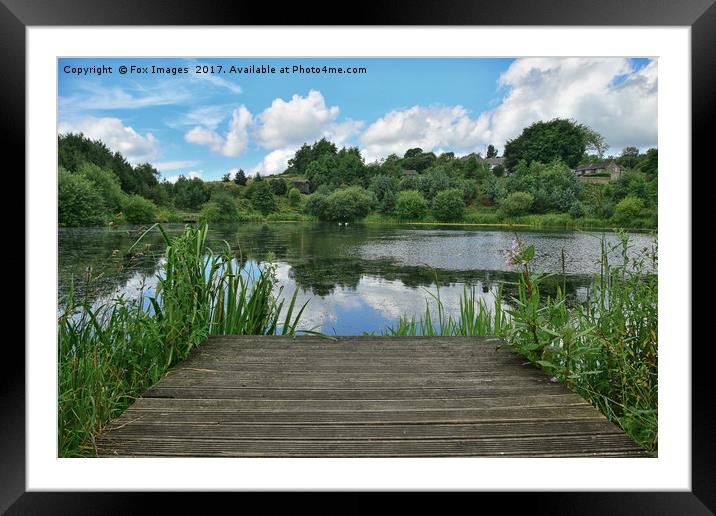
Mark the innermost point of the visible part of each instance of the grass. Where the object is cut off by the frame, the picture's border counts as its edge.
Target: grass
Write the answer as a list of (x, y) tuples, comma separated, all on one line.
[(605, 348), (491, 216), (111, 352)]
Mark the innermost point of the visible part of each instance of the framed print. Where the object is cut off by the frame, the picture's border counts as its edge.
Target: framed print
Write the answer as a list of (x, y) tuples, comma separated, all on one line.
[(207, 194)]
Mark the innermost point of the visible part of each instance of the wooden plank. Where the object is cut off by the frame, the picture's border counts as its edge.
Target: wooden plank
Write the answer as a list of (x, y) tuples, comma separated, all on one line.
[(508, 446), (263, 396), (158, 429)]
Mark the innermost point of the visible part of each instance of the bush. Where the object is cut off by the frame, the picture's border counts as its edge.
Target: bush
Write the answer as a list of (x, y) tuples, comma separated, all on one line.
[(628, 209), (279, 186), (410, 205), (106, 183), (221, 208), (314, 204), (294, 197), (577, 210), (262, 197), (347, 205), (448, 205), (78, 203), (138, 210), (517, 203)]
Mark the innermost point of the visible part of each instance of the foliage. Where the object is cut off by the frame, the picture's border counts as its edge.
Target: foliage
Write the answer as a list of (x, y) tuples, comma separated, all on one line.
[(410, 205), (75, 149), (240, 177), (262, 197), (190, 194), (78, 202), (448, 205), (628, 209), (294, 197), (106, 184), (110, 352), (347, 205), (138, 210), (605, 349), (279, 186), (221, 208), (545, 141), (517, 203)]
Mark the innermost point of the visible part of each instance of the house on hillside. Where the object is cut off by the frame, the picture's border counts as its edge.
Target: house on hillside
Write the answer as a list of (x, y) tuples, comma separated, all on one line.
[(410, 173), (602, 172), (493, 162), (302, 185)]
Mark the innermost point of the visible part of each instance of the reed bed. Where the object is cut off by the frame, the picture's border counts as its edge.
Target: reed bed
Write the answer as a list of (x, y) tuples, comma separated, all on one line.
[(605, 348), (110, 353)]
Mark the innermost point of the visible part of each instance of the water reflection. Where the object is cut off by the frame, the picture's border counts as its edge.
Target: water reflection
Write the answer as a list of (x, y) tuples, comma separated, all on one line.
[(357, 278)]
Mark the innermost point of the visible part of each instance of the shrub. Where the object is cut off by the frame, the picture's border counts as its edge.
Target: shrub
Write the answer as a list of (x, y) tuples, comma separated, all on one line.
[(78, 203), (577, 210), (410, 205), (106, 183), (138, 210), (448, 205), (294, 197), (347, 205), (314, 204), (628, 209), (221, 208), (279, 186), (262, 197), (517, 203)]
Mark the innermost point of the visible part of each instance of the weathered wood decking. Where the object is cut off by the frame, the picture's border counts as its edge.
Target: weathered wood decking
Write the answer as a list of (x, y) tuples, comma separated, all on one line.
[(360, 397)]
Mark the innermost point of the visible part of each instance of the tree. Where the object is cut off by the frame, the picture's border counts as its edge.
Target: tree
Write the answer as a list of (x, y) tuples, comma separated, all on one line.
[(78, 203), (262, 198), (546, 141), (448, 205), (138, 210), (279, 186), (221, 208), (628, 209), (410, 205), (517, 203), (106, 183), (491, 152), (190, 194), (629, 157), (347, 204), (555, 189), (382, 185), (240, 177), (650, 163), (294, 197), (226, 178)]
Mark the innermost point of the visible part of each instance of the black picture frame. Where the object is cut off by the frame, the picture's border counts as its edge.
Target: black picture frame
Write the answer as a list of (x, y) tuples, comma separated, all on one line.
[(700, 15)]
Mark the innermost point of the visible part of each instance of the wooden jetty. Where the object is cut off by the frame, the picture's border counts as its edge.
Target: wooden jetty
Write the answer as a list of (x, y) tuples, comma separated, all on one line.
[(360, 397)]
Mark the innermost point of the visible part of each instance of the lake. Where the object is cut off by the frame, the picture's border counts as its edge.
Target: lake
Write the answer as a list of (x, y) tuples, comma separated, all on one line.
[(358, 278)]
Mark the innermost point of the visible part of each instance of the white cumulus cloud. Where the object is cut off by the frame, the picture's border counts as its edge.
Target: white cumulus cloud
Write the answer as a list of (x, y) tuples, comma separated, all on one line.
[(233, 143), (135, 147), (189, 175), (274, 162), (607, 94), (429, 128), (294, 122)]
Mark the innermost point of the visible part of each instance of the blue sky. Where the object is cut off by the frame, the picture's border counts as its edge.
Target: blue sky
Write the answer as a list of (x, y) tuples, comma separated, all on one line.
[(210, 124)]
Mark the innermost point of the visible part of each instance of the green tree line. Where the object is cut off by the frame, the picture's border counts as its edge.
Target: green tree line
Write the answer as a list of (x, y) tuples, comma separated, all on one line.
[(535, 182)]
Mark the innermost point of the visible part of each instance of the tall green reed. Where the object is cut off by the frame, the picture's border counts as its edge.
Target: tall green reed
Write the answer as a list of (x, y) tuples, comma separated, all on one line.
[(110, 352), (605, 347)]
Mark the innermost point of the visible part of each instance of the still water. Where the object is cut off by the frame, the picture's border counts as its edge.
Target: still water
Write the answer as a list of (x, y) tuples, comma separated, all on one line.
[(357, 278)]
